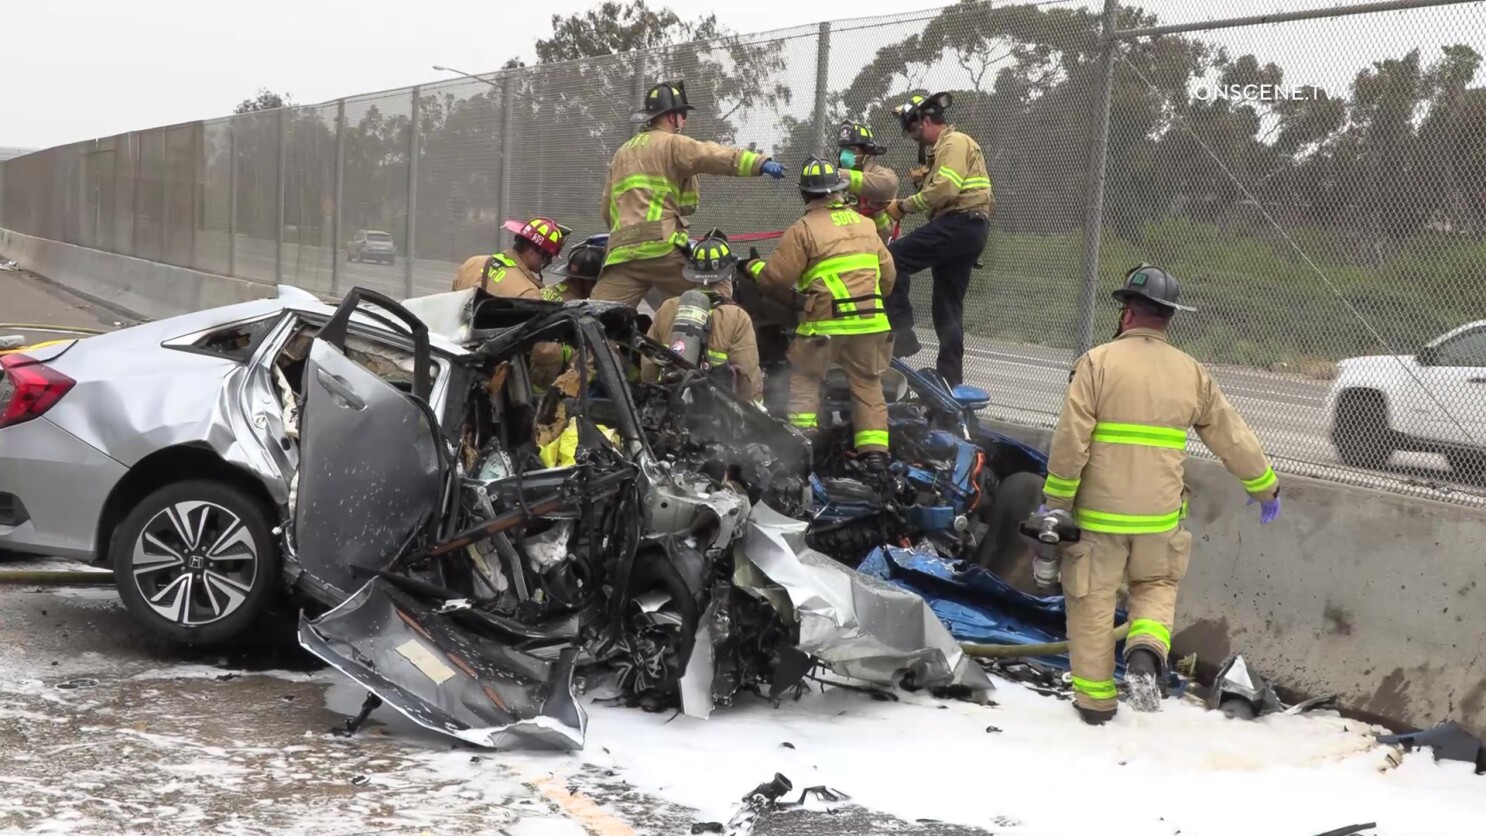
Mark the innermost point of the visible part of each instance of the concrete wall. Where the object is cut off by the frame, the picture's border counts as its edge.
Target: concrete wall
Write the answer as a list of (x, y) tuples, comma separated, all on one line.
[(1377, 598), (147, 288)]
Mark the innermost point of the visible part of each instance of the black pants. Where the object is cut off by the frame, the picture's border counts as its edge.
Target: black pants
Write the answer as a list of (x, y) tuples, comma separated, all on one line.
[(948, 246)]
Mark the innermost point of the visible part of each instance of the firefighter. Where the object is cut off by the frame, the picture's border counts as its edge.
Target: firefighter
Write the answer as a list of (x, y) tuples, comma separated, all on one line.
[(578, 274), (1116, 462), (652, 188), (834, 259), (956, 194), (516, 272), (873, 185), (706, 326)]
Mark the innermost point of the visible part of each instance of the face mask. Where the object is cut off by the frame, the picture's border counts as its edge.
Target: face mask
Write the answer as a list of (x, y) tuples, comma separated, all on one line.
[(848, 158)]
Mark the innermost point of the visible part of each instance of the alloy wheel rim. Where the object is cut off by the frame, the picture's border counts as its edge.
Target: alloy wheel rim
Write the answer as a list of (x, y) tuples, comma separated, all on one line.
[(195, 563)]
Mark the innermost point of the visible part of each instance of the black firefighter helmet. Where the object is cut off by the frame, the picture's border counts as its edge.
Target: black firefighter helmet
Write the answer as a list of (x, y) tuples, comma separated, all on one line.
[(821, 177), (663, 98), (1154, 285), (858, 135), (917, 106)]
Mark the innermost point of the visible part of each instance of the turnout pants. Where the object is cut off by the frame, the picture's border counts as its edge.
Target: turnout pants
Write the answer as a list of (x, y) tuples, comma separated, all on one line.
[(948, 246), (864, 357), (628, 283), (1092, 570)]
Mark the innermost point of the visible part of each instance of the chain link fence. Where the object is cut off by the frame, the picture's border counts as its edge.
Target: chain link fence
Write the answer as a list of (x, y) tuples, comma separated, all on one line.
[(1314, 176)]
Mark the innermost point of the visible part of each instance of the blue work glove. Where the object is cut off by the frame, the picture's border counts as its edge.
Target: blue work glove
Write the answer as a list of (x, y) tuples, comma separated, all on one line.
[(773, 169), (1042, 509), (1269, 511)]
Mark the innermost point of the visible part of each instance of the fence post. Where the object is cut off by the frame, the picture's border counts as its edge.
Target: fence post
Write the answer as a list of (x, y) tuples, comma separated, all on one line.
[(822, 71), (412, 225), (232, 196), (507, 145), (1098, 153), (340, 185), (278, 232)]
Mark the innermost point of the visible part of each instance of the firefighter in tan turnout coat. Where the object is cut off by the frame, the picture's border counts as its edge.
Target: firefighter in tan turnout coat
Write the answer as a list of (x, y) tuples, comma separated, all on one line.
[(874, 186), (834, 258), (651, 189), (1117, 462), (728, 338)]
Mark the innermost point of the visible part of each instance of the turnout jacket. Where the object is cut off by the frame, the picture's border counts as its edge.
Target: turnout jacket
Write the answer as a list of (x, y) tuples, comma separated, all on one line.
[(835, 258), (731, 342), (501, 274), (874, 187), (958, 180), (1121, 442), (653, 186)]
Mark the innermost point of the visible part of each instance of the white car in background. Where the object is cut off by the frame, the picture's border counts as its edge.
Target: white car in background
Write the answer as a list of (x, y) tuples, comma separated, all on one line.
[(1430, 402)]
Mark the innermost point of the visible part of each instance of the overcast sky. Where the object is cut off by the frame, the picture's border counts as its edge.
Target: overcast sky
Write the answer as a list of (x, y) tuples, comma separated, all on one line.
[(78, 69)]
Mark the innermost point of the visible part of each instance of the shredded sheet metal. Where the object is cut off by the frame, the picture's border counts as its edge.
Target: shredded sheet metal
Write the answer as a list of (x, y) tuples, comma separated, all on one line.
[(858, 626), (445, 678)]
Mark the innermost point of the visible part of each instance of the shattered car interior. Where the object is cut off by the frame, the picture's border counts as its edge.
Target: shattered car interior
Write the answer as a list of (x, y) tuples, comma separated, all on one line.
[(594, 533)]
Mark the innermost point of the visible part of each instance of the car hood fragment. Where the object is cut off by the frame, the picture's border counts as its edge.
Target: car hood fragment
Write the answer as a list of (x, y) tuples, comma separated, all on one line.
[(445, 677)]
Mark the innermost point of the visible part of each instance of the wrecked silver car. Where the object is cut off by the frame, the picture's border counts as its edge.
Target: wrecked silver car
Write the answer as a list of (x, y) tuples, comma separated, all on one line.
[(583, 527)]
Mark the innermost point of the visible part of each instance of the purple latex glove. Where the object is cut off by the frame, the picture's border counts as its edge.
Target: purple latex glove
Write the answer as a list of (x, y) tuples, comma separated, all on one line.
[(1042, 509), (1269, 510)]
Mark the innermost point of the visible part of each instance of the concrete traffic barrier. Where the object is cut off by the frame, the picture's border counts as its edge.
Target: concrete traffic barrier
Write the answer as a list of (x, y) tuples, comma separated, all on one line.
[(147, 288), (1371, 596)]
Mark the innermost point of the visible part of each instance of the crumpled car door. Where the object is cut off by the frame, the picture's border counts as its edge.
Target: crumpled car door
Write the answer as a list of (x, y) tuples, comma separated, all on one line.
[(370, 473)]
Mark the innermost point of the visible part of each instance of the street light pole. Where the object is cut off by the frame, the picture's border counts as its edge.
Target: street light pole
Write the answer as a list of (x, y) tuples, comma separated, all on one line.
[(439, 69)]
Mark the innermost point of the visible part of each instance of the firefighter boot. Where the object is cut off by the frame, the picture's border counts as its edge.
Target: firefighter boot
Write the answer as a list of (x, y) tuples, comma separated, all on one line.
[(878, 469), (1093, 716), (1143, 675)]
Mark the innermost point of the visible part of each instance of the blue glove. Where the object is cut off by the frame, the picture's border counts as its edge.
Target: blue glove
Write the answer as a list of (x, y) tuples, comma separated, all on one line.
[(1268, 511), (1042, 509), (773, 169)]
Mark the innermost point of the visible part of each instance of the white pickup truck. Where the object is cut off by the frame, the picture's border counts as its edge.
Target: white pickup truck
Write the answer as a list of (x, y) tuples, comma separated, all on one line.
[(1430, 402)]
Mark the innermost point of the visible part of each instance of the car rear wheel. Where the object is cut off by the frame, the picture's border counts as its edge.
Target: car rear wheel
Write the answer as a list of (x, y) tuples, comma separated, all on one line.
[(195, 562), (1360, 430)]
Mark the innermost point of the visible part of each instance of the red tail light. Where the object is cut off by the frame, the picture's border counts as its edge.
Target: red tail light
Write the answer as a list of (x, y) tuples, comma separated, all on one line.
[(28, 388)]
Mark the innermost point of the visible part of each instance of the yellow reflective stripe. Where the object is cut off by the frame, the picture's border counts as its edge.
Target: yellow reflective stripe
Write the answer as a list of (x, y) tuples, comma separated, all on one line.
[(1147, 627), (883, 221), (874, 324), (854, 181), (649, 249), (975, 183), (1059, 487), (919, 202), (717, 356), (947, 173), (745, 163), (1103, 689), (1263, 483), (689, 200), (755, 268), (804, 420), (1107, 523), (1140, 434), (871, 438), (841, 264)]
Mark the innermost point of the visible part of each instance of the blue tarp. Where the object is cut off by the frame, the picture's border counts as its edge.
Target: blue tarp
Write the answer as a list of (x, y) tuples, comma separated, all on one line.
[(976, 605)]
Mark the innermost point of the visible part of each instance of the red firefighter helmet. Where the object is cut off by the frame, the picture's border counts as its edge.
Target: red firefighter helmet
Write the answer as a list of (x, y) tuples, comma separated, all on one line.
[(545, 234)]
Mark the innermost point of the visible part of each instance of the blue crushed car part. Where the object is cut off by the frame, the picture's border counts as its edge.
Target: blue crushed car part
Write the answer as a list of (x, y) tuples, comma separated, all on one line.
[(976, 605)]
